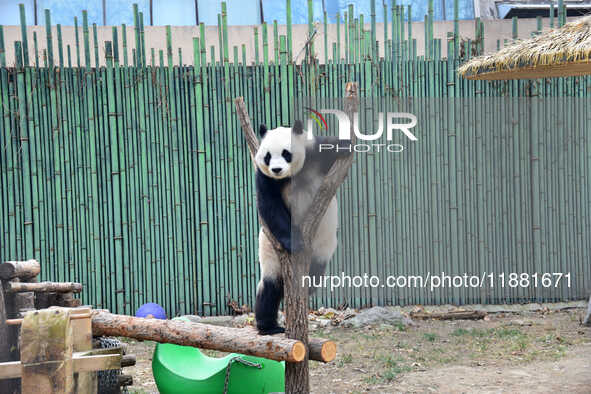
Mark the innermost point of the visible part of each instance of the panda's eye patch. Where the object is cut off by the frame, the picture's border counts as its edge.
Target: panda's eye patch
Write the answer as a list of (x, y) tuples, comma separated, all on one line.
[(267, 158), (286, 155)]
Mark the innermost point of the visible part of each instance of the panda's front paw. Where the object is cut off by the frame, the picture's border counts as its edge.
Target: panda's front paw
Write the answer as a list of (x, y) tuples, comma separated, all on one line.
[(271, 330), (297, 241)]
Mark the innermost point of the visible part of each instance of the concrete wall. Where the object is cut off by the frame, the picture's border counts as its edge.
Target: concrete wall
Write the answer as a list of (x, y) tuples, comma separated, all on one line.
[(182, 36)]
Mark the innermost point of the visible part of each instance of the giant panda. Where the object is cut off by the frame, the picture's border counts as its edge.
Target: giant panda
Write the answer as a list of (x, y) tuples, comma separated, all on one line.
[(290, 169)]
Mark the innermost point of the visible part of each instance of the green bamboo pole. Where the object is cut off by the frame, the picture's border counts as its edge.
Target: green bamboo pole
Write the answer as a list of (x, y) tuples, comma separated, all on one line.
[(115, 46), (289, 30), (24, 40), (325, 27), (311, 51), (337, 47), (409, 24), (2, 48), (561, 13), (225, 32), (202, 50), (374, 52), (430, 13), (136, 26), (96, 46), (266, 87), (169, 47), (49, 38), (552, 12), (85, 38), (77, 36), (385, 44), (256, 45), (346, 27), (60, 46), (142, 46), (351, 35), (276, 41), (124, 44)]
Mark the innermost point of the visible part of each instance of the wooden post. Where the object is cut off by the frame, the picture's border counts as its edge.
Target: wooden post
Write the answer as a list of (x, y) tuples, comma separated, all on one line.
[(7, 342), (82, 341), (46, 352), (297, 376)]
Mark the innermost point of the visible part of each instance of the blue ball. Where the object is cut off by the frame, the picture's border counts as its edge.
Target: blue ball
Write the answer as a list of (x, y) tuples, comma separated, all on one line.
[(153, 309)]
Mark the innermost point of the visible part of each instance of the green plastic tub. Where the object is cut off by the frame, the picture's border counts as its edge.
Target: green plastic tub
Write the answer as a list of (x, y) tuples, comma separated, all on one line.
[(184, 369)]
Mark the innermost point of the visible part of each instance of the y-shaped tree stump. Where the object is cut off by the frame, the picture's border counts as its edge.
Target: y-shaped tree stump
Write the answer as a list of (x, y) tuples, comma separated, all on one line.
[(297, 378)]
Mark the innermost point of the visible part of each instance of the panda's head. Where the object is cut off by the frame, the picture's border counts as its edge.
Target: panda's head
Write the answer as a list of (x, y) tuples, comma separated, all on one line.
[(282, 151)]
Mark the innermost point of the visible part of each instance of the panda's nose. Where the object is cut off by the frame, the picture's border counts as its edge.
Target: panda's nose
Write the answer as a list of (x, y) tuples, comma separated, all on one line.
[(276, 170)]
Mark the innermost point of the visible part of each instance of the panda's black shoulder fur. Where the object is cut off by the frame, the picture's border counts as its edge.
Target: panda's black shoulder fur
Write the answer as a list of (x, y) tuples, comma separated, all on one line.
[(272, 208), (323, 160)]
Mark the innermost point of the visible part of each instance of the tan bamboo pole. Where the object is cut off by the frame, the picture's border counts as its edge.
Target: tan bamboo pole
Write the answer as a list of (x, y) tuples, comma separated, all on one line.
[(44, 287)]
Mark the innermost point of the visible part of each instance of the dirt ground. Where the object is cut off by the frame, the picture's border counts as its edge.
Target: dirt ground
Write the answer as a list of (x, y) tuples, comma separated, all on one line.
[(527, 352)]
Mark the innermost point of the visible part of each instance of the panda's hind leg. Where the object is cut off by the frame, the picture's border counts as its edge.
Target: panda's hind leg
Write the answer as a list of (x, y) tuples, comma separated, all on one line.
[(270, 289), (269, 295), (317, 268)]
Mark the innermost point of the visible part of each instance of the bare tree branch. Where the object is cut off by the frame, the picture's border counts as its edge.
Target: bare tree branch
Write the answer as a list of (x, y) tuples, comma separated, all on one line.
[(293, 267)]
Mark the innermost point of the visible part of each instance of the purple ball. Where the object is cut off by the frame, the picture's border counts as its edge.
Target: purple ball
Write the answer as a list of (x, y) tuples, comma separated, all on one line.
[(155, 310)]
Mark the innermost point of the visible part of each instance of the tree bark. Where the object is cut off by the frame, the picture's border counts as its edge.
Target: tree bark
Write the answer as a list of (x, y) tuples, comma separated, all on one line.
[(199, 335), (295, 266), (19, 269)]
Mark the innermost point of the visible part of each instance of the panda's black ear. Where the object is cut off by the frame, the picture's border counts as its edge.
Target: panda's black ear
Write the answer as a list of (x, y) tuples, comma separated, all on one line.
[(298, 127), (262, 130)]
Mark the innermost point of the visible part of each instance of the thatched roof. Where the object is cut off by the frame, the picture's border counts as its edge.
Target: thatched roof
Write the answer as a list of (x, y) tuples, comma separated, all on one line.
[(561, 52)]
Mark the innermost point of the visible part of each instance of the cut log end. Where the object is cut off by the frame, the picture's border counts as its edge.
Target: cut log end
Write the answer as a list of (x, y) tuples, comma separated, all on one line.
[(322, 350), (298, 352), (328, 351)]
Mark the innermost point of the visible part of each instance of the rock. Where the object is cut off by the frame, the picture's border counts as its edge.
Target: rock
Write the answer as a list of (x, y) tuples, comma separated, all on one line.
[(225, 321), (281, 319), (587, 319), (243, 320), (193, 318), (323, 322), (377, 315), (520, 322)]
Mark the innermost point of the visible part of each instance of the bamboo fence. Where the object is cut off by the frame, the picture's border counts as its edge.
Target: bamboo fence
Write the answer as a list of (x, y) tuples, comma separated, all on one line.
[(134, 178)]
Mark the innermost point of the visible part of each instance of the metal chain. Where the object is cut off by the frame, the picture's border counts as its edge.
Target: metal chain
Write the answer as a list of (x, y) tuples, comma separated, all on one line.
[(241, 361)]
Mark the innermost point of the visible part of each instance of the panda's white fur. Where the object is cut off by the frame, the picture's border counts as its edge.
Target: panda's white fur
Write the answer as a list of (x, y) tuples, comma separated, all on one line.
[(286, 186)]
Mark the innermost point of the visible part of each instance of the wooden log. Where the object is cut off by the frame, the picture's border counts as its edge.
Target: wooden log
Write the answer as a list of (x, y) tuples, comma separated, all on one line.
[(199, 335), (452, 315), (125, 380), (24, 300), (67, 300), (41, 300), (19, 321), (19, 269), (45, 287), (321, 350), (128, 360)]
